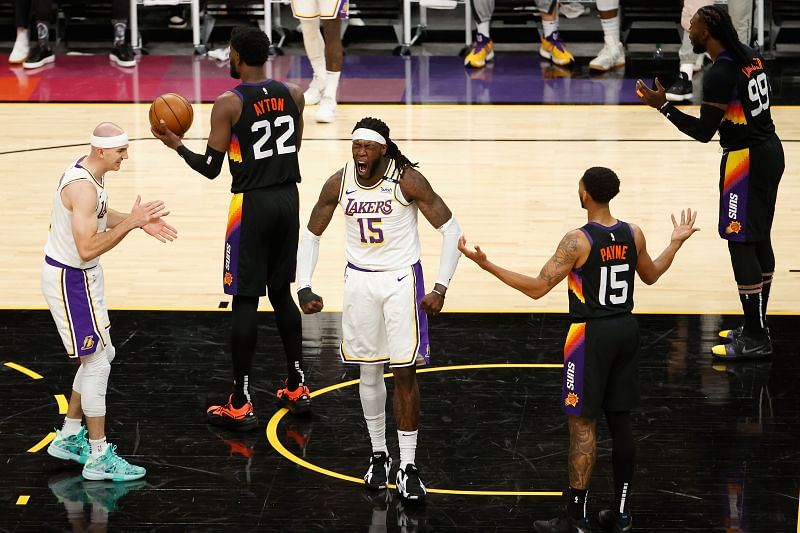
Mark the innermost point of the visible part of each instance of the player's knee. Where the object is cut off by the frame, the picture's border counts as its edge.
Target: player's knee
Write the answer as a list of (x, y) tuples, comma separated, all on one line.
[(94, 382), (371, 375)]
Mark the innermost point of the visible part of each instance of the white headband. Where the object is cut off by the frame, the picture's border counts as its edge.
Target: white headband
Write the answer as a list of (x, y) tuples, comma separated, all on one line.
[(365, 134), (116, 141)]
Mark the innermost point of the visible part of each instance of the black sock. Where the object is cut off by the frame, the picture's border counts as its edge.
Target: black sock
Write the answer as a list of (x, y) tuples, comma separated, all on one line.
[(752, 307), (623, 457), (576, 507), (290, 328), (766, 280), (244, 332)]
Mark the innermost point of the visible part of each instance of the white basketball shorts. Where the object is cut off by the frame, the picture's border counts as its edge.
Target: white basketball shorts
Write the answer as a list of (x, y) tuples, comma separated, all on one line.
[(77, 302), (324, 9), (381, 317)]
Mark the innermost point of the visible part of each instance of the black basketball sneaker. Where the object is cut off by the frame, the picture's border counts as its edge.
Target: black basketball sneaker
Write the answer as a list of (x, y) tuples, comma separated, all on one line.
[(409, 485), (377, 475), (613, 522)]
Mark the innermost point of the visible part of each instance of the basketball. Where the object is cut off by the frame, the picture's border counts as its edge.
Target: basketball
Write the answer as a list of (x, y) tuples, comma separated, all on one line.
[(174, 110)]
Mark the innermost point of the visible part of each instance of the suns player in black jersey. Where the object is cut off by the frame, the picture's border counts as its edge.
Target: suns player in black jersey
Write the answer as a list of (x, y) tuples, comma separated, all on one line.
[(736, 101), (259, 124), (601, 363)]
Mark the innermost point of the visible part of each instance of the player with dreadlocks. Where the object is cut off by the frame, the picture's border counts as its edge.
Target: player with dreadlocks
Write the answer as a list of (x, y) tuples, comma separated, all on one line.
[(736, 101), (384, 305)]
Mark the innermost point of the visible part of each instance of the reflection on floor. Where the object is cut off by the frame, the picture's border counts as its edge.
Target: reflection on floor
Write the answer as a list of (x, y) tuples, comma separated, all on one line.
[(717, 445), (510, 79)]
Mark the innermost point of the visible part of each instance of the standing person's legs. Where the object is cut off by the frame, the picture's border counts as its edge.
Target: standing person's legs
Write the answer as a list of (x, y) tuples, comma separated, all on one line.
[(741, 12), (551, 45), (121, 51), (315, 50), (612, 55), (482, 50), (41, 54), (22, 18), (332, 30)]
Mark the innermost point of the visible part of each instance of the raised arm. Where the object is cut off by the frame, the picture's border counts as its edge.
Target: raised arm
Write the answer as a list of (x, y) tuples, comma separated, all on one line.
[(416, 188), (308, 248), (572, 250), (650, 270), (81, 199), (226, 110)]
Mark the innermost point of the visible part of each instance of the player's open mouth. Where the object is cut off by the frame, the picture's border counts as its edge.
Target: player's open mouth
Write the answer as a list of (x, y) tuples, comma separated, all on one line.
[(361, 166)]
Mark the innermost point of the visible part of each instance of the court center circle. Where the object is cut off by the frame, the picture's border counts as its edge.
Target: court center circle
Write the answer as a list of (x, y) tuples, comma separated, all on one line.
[(272, 433)]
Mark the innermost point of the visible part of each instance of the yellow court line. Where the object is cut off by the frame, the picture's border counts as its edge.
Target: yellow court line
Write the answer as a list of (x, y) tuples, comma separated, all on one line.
[(42, 443), (272, 434), (23, 499), (27, 371), (63, 405), (798, 513)]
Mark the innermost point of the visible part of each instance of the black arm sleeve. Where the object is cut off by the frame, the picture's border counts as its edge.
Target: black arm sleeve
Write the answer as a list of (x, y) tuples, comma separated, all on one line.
[(701, 129), (208, 165)]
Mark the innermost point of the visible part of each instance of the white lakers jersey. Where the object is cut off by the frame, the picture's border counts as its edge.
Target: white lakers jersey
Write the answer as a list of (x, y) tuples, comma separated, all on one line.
[(380, 224), (60, 242)]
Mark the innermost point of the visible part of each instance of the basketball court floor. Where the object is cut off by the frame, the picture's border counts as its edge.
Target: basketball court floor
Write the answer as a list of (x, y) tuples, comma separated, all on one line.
[(717, 444)]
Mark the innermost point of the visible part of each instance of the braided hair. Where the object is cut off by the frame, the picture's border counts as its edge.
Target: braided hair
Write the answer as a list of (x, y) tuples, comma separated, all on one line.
[(392, 151), (720, 27)]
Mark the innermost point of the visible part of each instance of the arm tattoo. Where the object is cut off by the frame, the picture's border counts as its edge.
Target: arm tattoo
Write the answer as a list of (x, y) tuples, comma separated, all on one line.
[(564, 257), (582, 443)]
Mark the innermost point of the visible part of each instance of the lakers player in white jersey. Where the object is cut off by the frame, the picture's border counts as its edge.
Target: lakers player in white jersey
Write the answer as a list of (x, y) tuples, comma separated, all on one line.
[(83, 227), (384, 313)]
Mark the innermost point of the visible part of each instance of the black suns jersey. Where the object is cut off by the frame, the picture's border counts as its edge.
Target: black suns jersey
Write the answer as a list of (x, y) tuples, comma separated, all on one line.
[(747, 92), (263, 147), (603, 285)]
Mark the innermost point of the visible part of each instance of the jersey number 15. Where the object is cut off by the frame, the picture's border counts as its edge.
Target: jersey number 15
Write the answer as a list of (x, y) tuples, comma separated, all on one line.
[(280, 143), (609, 283)]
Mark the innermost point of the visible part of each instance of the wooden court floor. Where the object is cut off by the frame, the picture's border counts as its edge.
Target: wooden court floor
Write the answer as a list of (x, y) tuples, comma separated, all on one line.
[(508, 172)]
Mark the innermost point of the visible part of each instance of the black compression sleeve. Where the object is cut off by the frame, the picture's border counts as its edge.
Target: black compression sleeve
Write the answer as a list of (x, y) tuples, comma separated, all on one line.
[(701, 129), (208, 165)]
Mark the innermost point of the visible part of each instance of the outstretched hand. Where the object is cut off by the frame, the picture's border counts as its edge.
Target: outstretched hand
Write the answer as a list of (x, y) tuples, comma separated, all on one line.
[(161, 230), (686, 228), (166, 135), (654, 98), (145, 213), (477, 255)]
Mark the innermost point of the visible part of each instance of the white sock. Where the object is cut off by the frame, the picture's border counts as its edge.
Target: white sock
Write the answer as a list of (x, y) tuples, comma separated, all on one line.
[(483, 28), (550, 27), (376, 425), (71, 427), (688, 69), (331, 84), (22, 35), (97, 447), (611, 31), (408, 447)]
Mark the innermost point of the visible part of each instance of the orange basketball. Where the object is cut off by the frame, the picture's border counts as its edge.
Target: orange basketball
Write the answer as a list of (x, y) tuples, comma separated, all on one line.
[(174, 110)]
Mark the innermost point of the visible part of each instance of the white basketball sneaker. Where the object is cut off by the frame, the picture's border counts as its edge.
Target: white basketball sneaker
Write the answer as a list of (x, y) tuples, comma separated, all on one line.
[(327, 110), (610, 57), (314, 92), (21, 49)]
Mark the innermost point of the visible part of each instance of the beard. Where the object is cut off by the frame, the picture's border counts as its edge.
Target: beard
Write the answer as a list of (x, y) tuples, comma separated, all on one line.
[(234, 73), (698, 48)]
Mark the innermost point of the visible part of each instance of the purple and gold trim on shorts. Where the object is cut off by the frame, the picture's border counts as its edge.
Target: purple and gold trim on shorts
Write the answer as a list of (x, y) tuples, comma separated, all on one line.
[(77, 298), (733, 196), (423, 347), (230, 271), (574, 361)]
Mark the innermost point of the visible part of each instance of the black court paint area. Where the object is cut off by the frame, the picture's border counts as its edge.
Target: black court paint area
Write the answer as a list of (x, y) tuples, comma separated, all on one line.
[(717, 445)]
